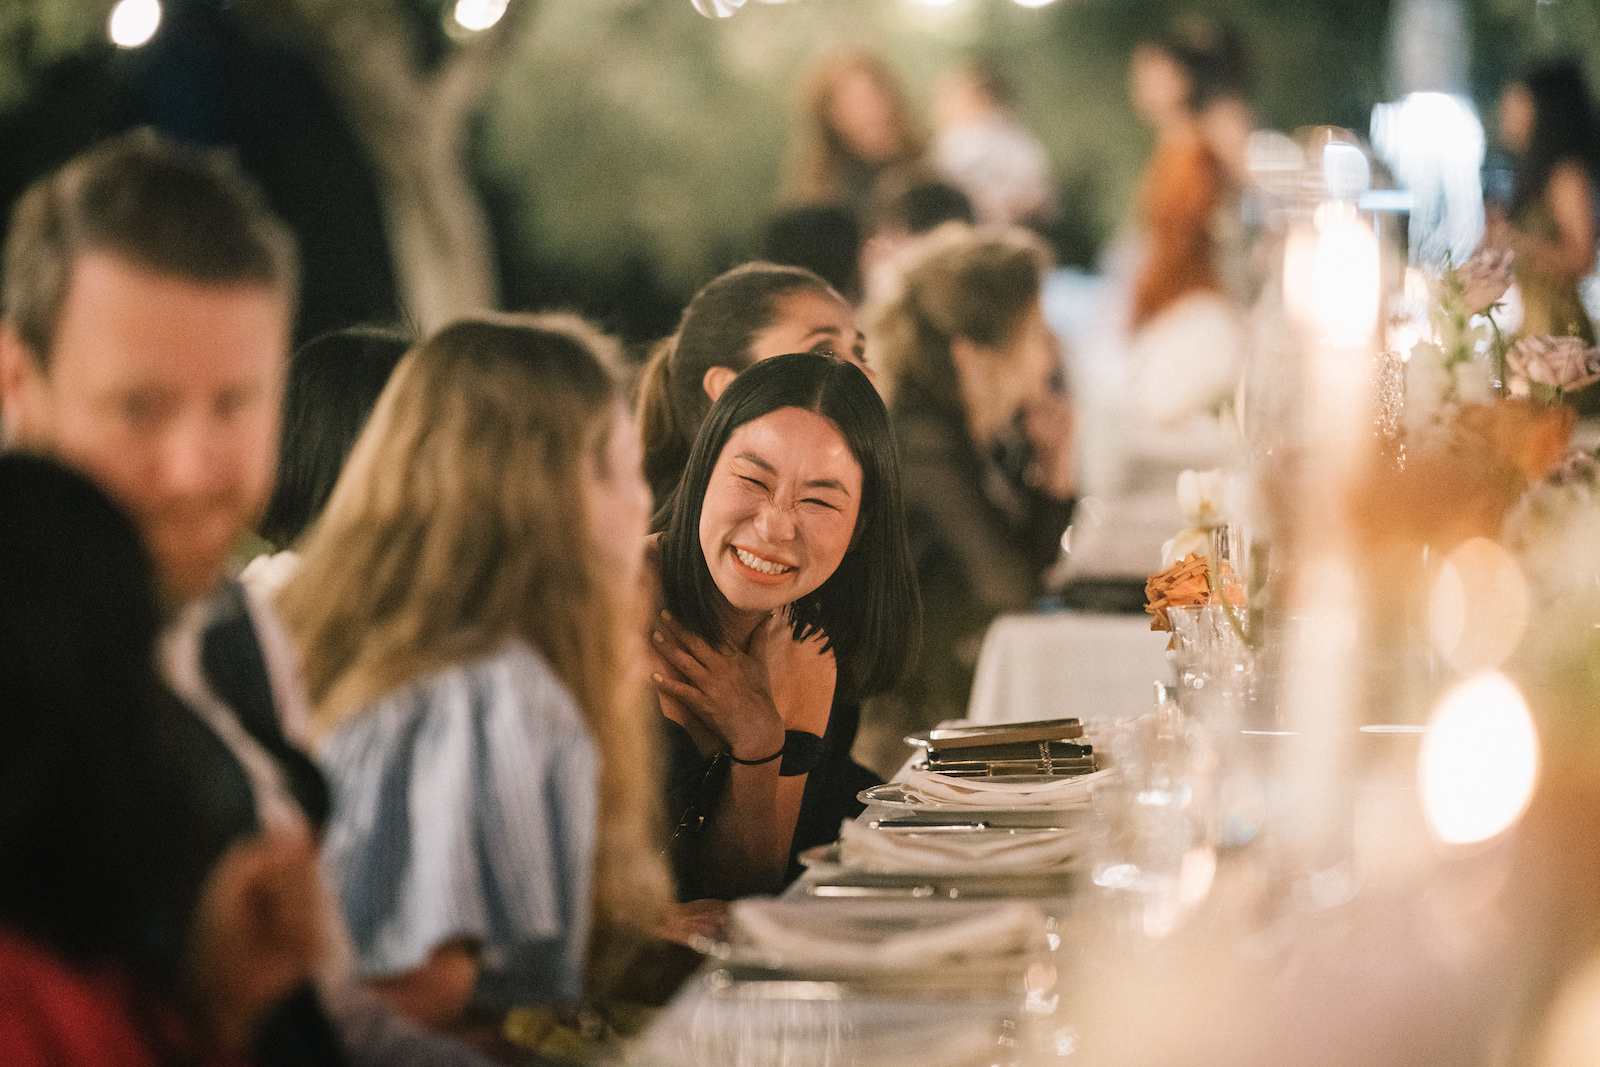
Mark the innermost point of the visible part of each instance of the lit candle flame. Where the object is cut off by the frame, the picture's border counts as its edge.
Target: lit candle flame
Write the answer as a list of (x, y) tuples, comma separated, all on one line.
[(1479, 761)]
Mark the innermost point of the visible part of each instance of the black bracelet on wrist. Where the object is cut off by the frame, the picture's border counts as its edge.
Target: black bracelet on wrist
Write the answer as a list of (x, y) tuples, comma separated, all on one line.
[(754, 762), (801, 752)]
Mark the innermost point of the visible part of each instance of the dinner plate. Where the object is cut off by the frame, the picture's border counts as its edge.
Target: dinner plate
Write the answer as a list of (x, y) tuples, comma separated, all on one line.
[(828, 877), (828, 858), (893, 795)]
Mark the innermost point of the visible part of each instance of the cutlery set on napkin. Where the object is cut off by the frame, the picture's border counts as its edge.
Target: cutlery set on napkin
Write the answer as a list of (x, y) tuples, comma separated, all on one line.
[(956, 827), (1053, 748)]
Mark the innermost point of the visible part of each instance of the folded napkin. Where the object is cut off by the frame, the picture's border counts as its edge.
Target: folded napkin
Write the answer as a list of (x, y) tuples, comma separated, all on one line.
[(878, 936), (865, 848), (1008, 792)]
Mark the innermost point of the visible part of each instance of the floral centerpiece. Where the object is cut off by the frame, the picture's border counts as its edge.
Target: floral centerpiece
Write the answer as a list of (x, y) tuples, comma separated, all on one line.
[(1468, 356), (1463, 352), (1188, 577), (1548, 368)]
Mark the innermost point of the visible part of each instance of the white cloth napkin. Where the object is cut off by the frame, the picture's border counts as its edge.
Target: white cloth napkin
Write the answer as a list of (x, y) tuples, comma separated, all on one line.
[(1008, 792), (865, 848), (877, 935)]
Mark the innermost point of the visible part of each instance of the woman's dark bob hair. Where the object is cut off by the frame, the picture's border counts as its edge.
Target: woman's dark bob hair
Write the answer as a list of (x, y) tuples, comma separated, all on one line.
[(868, 610)]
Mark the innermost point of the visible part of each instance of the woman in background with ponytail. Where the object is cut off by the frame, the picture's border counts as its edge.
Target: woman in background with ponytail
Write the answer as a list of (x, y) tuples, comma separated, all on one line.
[(752, 312)]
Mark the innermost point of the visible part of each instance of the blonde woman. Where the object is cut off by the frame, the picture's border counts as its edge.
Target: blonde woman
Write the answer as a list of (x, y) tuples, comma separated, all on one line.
[(857, 127), (461, 608)]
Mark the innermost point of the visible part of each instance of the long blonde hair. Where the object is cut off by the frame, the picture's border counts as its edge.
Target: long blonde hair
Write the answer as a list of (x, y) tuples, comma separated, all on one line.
[(820, 171), (461, 520)]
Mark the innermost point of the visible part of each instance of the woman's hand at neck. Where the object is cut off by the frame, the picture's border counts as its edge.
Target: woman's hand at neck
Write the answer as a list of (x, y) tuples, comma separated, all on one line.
[(726, 690)]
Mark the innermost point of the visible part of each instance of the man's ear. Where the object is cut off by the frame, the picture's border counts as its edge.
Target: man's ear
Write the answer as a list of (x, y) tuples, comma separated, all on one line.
[(716, 380), (21, 383)]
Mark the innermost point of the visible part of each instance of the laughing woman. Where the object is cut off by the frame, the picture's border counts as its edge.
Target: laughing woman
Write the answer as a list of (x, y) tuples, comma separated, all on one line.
[(785, 574)]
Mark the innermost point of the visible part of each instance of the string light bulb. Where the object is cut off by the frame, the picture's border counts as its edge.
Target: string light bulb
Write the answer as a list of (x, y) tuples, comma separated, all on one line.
[(134, 22), (476, 15)]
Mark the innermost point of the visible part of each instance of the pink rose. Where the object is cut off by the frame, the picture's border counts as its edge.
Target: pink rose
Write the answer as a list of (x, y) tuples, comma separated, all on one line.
[(1485, 278), (1559, 362)]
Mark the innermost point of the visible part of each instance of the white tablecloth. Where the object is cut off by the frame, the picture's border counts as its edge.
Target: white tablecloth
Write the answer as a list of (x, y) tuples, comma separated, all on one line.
[(1065, 665)]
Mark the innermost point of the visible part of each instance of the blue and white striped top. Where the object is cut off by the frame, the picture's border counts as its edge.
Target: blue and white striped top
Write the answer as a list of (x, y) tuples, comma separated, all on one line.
[(465, 805)]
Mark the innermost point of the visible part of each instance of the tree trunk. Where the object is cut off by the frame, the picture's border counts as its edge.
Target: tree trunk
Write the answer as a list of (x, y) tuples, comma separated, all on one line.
[(414, 123), (438, 232)]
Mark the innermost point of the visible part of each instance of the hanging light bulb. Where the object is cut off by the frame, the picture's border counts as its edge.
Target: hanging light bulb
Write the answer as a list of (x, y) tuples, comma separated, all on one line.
[(717, 9), (475, 15), (134, 22), (1032, 3)]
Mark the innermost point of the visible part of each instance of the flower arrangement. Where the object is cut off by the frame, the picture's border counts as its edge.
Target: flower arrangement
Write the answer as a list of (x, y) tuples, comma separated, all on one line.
[(1465, 350), (1189, 583), (1187, 578), (1555, 365)]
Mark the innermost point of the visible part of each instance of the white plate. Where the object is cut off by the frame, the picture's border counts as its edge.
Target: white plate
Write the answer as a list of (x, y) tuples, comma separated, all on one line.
[(827, 861), (892, 795)]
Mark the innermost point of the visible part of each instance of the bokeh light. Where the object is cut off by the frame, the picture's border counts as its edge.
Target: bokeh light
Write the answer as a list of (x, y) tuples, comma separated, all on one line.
[(134, 22), (478, 15), (1330, 275), (1480, 760), (1480, 606)]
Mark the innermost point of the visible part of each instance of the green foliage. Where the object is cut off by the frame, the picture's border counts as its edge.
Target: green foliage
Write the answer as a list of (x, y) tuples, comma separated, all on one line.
[(1509, 36), (622, 132), (37, 34), (638, 128)]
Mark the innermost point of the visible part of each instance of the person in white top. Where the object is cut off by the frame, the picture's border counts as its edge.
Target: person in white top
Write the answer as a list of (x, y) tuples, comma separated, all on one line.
[(981, 147)]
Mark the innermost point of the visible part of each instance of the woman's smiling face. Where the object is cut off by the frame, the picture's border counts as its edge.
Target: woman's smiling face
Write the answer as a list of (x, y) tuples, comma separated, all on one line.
[(780, 510)]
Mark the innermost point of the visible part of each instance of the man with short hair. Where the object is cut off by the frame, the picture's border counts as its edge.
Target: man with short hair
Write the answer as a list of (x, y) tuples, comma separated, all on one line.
[(145, 318)]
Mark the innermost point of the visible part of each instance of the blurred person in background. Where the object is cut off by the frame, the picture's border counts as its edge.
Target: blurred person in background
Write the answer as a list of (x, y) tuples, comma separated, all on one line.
[(908, 206), (467, 609), (750, 313), (985, 445), (1190, 86), (139, 923), (144, 335), (1179, 344), (857, 127), (981, 147), (334, 381), (1547, 122), (822, 238), (788, 592)]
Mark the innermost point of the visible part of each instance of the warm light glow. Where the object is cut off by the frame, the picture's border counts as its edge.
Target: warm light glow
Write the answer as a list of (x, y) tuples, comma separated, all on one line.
[(1330, 276), (1033, 3), (936, 3), (478, 15), (1344, 278), (1479, 761), (133, 22), (1480, 606)]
